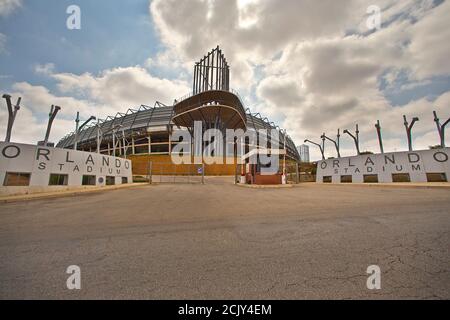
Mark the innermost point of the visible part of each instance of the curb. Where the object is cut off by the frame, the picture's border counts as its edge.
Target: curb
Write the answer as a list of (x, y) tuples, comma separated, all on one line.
[(67, 193), (389, 185), (271, 186)]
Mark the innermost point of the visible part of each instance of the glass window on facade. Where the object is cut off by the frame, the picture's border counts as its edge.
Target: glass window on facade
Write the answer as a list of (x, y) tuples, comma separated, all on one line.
[(370, 178), (437, 177), (88, 180), (158, 138), (141, 149), (110, 181), (58, 180), (124, 180), (17, 179), (327, 179), (346, 179), (160, 148), (401, 177)]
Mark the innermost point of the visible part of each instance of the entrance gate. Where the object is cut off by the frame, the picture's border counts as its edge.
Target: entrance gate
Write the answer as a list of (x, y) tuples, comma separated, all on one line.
[(167, 172)]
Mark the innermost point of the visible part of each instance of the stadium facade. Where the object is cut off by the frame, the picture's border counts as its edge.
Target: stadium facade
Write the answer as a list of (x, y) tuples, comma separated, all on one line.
[(144, 133)]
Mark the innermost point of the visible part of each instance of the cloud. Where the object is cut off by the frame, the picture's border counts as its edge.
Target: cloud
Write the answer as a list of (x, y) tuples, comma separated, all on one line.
[(45, 69), (320, 67), (312, 66), (251, 32), (113, 90), (283, 92), (9, 6), (430, 48), (120, 88)]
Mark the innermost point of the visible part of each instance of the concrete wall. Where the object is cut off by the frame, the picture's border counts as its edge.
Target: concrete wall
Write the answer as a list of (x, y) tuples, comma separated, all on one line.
[(40, 162), (417, 164)]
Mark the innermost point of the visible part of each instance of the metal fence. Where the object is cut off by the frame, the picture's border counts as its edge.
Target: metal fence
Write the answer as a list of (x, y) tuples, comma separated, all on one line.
[(164, 172), (292, 173)]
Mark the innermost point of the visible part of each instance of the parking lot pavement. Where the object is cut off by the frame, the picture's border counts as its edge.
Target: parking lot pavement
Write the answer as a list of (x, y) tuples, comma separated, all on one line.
[(220, 241)]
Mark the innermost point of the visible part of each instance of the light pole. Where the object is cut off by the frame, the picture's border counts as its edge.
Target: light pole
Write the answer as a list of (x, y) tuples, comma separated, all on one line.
[(113, 132), (380, 139), (322, 151), (99, 136), (355, 138), (79, 128), (123, 142), (336, 142), (409, 130), (11, 115), (114, 142), (441, 128), (51, 116)]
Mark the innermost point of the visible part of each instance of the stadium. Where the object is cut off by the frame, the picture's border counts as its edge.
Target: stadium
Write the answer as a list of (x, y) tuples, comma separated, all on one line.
[(144, 134)]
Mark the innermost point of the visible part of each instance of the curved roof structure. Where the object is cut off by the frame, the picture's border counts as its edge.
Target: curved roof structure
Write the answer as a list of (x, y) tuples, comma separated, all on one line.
[(159, 118), (212, 102), (207, 106)]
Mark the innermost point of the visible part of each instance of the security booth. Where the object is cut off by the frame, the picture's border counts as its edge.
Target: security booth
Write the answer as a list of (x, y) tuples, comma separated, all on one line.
[(263, 167)]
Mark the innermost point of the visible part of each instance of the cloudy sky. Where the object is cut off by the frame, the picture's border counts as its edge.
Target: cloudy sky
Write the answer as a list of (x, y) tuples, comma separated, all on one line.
[(312, 66)]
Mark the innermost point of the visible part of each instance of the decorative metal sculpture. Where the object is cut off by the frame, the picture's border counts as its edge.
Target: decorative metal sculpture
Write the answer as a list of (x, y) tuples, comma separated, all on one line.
[(355, 138), (321, 147), (51, 116), (336, 142), (11, 115), (441, 128), (380, 139), (409, 130)]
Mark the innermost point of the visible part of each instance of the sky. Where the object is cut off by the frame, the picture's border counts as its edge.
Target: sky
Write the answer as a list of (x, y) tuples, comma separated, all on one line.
[(310, 66)]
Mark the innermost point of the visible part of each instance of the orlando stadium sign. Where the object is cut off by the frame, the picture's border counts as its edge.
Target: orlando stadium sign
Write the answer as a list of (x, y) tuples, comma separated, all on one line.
[(414, 166), (23, 165)]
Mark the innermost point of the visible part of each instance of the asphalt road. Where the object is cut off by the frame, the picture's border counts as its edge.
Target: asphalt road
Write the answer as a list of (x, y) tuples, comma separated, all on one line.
[(219, 241)]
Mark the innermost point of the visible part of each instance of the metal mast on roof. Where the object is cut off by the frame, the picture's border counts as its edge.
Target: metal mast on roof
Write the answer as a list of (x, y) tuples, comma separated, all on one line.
[(211, 73)]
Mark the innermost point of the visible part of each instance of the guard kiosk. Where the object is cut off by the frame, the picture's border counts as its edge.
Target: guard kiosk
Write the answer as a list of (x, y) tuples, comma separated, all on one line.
[(267, 171)]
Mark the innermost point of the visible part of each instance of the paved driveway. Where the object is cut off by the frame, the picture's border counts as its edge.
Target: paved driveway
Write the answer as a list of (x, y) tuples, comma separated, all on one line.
[(221, 241)]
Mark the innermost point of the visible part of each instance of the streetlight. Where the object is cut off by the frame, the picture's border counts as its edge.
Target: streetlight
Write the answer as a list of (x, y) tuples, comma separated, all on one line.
[(78, 129), (336, 142), (441, 128), (99, 135), (121, 128), (409, 130), (380, 139), (11, 115), (355, 138), (51, 116), (125, 149), (322, 151)]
